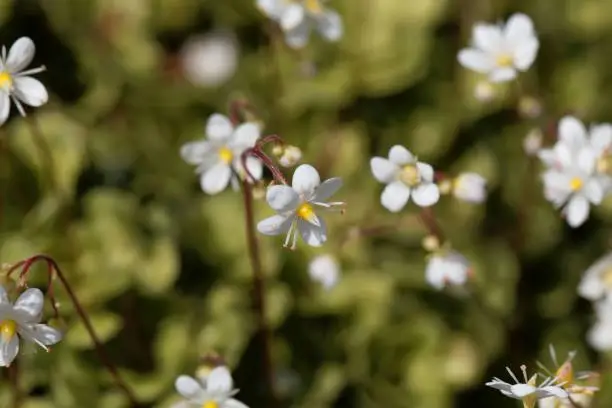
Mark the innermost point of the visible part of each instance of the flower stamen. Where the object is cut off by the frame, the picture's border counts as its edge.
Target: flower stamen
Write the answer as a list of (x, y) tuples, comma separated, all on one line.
[(210, 404), (314, 6), (6, 81), (410, 175), (305, 212), (504, 60), (8, 328), (226, 155), (576, 183)]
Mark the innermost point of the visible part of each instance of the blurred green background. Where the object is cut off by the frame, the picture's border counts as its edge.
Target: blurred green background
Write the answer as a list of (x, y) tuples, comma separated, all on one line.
[(163, 268)]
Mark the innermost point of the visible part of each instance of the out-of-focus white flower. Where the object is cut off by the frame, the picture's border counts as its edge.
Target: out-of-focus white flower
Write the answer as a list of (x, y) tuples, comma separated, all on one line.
[(404, 176), (596, 281), (325, 270), (219, 158), (533, 142), (16, 83), (288, 156), (447, 267), (209, 60), (216, 391), (571, 181), (470, 187), (484, 91), (295, 207), (298, 18), (22, 320), (500, 51), (600, 334), (528, 392)]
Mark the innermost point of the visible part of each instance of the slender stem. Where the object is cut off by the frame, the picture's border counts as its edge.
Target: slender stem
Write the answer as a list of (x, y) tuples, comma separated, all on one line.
[(13, 373), (55, 269), (429, 221), (259, 293), (46, 155)]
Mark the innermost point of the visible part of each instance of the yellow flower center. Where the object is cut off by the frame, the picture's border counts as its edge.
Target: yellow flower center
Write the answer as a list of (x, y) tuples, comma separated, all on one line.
[(305, 212), (210, 404), (226, 155), (410, 175), (314, 6), (576, 183), (5, 80), (8, 328), (504, 60)]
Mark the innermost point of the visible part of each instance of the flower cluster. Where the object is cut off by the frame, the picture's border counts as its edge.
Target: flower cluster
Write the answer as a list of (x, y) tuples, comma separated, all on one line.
[(577, 174)]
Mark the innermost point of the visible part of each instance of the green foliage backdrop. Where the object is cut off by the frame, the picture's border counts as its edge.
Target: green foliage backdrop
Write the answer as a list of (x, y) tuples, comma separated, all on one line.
[(163, 268)]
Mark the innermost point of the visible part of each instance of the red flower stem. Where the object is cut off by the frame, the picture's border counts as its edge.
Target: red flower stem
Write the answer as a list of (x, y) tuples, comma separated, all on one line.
[(428, 219)]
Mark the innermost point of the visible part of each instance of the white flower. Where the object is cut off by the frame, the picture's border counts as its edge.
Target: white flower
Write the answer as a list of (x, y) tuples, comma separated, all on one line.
[(17, 84), (532, 142), (22, 320), (527, 391), (209, 60), (288, 156), (215, 392), (600, 334), (296, 205), (297, 18), (325, 270), (219, 158), (500, 51), (596, 282), (447, 268), (470, 187), (571, 180), (404, 176)]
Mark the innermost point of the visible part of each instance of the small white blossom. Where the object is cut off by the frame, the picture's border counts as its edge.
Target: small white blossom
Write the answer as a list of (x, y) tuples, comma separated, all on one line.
[(596, 282), (404, 176), (528, 391), (600, 334), (500, 51), (299, 17), (571, 180), (325, 270), (219, 158), (17, 84), (470, 187), (288, 156), (532, 142), (296, 205), (209, 60), (22, 320), (447, 268), (214, 391)]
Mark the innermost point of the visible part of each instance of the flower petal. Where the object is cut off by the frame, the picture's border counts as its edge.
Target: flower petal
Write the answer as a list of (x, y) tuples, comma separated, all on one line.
[(572, 132), (234, 403), (219, 127), (434, 273), (275, 225), (475, 60), (273, 8), (196, 152), (383, 170), (20, 55), (426, 194), (327, 189), (554, 391), (563, 154), (30, 303), (292, 16), (4, 299), (586, 160), (219, 381), (487, 37), (502, 74), (594, 191), (188, 387), (215, 179), (253, 165), (395, 196), (330, 25), (30, 91), (522, 390), (525, 54), (8, 351), (305, 180), (548, 157), (426, 171), (245, 136), (46, 335), (518, 29), (282, 198), (313, 235), (577, 211), (400, 156), (5, 106), (298, 37), (601, 137)]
